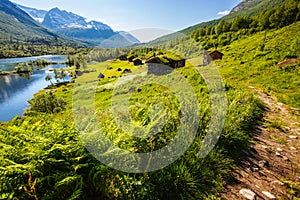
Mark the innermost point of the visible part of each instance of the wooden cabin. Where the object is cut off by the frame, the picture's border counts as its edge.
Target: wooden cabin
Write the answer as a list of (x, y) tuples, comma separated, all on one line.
[(216, 55), (130, 58), (122, 57), (137, 61), (210, 56), (126, 71), (165, 61), (101, 75), (163, 65)]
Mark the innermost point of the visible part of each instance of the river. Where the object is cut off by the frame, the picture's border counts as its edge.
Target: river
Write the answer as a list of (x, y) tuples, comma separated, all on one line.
[(15, 91)]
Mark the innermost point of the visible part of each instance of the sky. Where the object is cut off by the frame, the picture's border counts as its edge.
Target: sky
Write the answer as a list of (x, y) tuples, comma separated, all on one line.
[(135, 15)]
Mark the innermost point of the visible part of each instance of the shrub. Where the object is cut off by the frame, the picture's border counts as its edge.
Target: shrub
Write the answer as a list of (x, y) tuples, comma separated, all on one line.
[(47, 103)]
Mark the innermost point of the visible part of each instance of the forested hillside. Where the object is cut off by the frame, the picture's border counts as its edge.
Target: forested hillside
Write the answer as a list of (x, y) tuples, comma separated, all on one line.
[(225, 32), (245, 8)]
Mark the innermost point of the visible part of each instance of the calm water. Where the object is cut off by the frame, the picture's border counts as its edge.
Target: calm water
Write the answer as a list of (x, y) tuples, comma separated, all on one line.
[(15, 91)]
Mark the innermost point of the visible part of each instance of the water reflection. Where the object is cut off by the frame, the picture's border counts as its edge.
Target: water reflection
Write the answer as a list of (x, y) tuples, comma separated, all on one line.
[(16, 90)]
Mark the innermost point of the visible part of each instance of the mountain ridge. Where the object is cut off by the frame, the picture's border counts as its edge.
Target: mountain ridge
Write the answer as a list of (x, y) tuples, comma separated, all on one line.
[(36, 14), (72, 25), (18, 25)]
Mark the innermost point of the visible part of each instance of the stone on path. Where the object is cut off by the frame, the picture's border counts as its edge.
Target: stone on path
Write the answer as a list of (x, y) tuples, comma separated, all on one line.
[(248, 194), (293, 137), (269, 195), (280, 150), (293, 148), (278, 183)]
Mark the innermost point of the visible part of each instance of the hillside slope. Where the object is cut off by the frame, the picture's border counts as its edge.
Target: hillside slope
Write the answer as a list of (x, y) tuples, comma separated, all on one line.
[(14, 20), (246, 63)]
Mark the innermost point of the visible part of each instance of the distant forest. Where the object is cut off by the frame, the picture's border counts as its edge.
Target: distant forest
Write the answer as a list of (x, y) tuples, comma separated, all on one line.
[(226, 32)]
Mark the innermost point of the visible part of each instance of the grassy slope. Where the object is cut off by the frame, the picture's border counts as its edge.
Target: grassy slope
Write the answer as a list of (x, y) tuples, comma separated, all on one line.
[(245, 64), (47, 146)]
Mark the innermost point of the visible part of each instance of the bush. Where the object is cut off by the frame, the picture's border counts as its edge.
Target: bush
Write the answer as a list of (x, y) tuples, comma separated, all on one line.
[(47, 103)]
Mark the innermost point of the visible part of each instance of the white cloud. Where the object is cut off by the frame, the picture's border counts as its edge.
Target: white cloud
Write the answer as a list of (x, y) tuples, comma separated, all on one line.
[(225, 12)]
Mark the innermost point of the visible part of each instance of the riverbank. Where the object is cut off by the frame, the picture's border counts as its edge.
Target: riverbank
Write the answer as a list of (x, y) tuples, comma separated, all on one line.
[(18, 88), (5, 73)]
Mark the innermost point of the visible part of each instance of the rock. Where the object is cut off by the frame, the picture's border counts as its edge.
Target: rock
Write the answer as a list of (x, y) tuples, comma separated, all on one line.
[(262, 174), (293, 148), (269, 195), (293, 137), (251, 87), (286, 158), (277, 183), (280, 150), (263, 146), (278, 154), (248, 194), (254, 169), (263, 163)]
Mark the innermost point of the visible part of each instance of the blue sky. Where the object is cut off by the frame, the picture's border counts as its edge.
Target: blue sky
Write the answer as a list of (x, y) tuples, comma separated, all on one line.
[(130, 15)]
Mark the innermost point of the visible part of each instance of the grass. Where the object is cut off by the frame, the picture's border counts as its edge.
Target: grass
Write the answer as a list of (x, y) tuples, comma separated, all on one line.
[(275, 124), (111, 70), (279, 140), (48, 146), (245, 64)]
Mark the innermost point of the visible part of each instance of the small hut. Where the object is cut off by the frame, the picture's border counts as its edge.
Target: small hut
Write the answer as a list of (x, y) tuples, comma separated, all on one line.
[(216, 55), (210, 56), (163, 64), (130, 58), (122, 57), (101, 75), (155, 60), (126, 71), (137, 61), (167, 61)]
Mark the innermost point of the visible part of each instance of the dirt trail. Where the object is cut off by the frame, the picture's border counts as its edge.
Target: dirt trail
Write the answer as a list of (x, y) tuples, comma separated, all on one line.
[(270, 169)]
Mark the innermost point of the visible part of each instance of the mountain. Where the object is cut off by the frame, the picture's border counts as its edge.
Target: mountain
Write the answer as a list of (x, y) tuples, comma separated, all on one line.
[(245, 8), (120, 39), (36, 14), (93, 32), (18, 25), (60, 19)]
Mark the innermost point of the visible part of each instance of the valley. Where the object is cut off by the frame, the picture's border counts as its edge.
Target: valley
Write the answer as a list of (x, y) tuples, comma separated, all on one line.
[(209, 112)]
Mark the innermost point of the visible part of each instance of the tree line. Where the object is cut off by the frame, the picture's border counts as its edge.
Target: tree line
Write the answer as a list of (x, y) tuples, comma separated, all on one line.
[(227, 31)]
